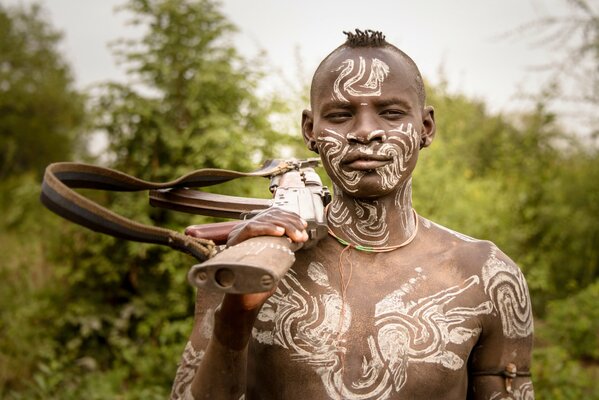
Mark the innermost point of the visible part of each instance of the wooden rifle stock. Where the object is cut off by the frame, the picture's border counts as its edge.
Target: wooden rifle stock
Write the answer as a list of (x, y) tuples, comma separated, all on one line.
[(252, 266)]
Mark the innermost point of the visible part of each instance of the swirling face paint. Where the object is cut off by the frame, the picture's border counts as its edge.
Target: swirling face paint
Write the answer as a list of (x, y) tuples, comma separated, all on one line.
[(398, 147), (373, 85)]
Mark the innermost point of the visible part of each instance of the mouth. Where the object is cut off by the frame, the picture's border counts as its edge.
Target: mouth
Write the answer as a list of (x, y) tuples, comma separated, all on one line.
[(359, 161)]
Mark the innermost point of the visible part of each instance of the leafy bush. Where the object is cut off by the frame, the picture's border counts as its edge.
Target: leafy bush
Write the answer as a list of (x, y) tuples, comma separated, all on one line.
[(557, 376), (574, 324)]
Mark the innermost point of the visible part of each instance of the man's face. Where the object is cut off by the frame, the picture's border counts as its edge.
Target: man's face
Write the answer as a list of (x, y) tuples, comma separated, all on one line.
[(366, 120)]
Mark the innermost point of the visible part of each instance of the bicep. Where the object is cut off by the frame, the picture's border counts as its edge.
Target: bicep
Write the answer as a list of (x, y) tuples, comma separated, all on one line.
[(499, 369), (500, 388), (499, 366)]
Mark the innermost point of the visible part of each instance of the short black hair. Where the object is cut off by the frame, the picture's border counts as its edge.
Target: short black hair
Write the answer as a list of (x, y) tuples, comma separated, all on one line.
[(376, 39), (367, 38)]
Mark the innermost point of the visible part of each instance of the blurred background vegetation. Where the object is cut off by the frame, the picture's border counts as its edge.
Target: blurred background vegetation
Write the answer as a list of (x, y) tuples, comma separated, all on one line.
[(83, 315)]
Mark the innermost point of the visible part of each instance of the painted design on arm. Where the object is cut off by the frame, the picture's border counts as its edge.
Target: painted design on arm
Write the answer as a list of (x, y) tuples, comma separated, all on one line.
[(190, 360), (407, 332), (187, 367), (372, 87), (524, 392), (506, 286)]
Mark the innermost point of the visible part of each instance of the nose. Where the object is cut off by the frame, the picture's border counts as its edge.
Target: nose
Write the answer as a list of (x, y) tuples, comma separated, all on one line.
[(366, 131)]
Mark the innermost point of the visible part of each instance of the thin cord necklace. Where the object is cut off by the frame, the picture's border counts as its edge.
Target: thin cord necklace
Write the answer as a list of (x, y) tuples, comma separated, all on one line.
[(345, 284), (381, 249)]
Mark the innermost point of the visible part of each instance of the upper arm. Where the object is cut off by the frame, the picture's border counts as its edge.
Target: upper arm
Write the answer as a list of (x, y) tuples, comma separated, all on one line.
[(507, 334), (206, 303)]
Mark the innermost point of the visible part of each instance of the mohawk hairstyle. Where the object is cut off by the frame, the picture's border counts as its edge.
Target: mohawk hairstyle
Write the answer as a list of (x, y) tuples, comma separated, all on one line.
[(367, 38)]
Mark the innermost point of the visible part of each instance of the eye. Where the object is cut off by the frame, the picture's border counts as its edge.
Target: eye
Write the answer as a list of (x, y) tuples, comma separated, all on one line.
[(392, 113), (338, 116)]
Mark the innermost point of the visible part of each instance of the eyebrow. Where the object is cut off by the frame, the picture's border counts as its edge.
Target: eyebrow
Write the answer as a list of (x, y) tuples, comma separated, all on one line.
[(379, 103), (392, 101), (327, 105)]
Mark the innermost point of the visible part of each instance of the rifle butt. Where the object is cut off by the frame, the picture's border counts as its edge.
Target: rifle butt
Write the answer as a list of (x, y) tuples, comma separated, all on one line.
[(253, 266)]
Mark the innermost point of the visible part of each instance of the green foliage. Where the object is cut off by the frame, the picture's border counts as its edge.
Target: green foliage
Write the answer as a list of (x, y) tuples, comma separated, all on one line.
[(126, 309), (83, 315), (574, 324), (202, 96), (520, 182), (557, 376), (40, 112)]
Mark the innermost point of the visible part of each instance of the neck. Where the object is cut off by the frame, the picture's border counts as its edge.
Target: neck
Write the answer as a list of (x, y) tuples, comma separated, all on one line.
[(384, 221)]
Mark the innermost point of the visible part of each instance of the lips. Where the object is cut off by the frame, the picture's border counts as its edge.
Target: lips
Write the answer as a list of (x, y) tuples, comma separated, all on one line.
[(364, 162)]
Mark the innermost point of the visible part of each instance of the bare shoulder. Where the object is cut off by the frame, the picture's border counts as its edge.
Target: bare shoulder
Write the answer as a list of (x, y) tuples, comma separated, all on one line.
[(475, 255), (502, 281), (508, 328)]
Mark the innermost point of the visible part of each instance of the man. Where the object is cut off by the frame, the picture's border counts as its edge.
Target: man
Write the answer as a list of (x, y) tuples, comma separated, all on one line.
[(390, 305)]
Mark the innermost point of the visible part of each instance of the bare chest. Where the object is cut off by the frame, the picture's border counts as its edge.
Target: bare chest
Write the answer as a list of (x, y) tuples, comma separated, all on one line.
[(355, 338)]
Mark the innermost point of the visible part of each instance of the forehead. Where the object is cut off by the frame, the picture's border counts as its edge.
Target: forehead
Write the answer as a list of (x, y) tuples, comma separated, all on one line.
[(361, 73)]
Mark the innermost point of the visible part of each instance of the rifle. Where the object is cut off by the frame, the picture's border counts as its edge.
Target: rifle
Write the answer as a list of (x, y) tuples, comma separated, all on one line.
[(257, 264), (252, 266)]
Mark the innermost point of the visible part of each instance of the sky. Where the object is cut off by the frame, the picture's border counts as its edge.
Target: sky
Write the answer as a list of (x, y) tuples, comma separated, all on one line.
[(473, 45)]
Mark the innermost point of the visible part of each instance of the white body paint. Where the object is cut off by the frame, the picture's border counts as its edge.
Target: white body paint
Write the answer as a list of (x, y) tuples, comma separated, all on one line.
[(185, 373), (190, 360), (505, 284), (407, 332), (524, 392)]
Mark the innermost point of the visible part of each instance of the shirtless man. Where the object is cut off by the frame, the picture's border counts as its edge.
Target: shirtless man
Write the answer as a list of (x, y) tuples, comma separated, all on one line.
[(409, 310)]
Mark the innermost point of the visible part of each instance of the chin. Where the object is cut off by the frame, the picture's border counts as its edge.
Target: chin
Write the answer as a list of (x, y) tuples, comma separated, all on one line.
[(368, 191)]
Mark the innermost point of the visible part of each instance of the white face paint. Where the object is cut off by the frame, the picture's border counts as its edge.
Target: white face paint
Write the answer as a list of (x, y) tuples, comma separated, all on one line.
[(417, 331), (399, 147), (507, 288), (372, 87)]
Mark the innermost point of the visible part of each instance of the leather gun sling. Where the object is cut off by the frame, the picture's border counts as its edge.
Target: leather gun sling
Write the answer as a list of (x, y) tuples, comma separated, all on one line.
[(58, 195)]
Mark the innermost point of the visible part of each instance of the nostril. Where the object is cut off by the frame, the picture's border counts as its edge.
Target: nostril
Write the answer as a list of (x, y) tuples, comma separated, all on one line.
[(378, 135), (352, 137)]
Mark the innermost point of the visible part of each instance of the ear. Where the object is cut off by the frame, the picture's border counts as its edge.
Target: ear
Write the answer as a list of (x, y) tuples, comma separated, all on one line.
[(308, 131), (428, 126)]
